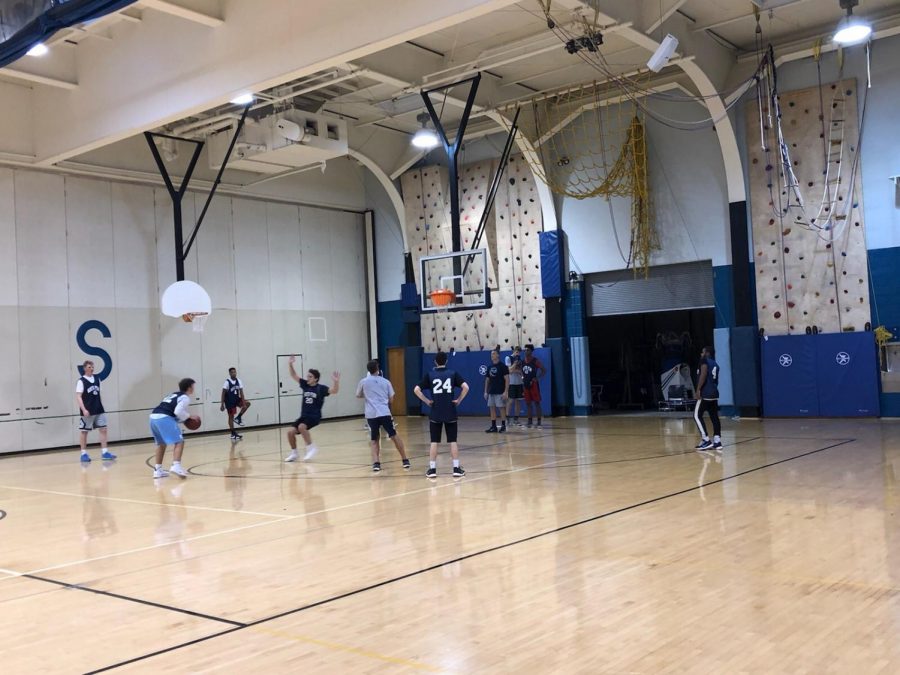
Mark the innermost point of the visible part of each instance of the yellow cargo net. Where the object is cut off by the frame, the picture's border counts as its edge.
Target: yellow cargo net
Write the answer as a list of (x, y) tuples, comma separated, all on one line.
[(594, 145)]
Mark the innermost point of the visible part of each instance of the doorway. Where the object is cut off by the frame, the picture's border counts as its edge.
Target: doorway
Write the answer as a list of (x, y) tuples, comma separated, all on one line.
[(629, 353), (396, 370)]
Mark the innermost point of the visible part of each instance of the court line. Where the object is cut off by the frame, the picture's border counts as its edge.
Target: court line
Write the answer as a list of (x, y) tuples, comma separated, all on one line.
[(283, 519), (149, 603), (475, 554), (141, 501)]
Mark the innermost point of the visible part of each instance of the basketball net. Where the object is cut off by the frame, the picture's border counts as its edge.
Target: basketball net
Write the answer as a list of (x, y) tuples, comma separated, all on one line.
[(196, 319)]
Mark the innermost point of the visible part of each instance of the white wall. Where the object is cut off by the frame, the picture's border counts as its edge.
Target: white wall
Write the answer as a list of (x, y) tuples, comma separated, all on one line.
[(389, 260), (76, 249), (689, 194)]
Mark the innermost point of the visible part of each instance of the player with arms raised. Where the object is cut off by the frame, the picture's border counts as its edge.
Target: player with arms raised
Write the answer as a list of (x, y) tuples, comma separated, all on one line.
[(314, 395), (442, 382)]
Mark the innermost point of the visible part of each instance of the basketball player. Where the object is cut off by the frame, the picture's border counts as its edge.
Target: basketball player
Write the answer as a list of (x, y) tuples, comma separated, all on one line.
[(311, 413), (93, 416), (516, 391), (164, 420), (496, 392), (708, 401), (442, 381), (232, 399), (532, 371), (378, 394)]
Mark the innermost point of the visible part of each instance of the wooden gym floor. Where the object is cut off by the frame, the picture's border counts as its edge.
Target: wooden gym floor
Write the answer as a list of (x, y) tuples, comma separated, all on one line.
[(596, 546)]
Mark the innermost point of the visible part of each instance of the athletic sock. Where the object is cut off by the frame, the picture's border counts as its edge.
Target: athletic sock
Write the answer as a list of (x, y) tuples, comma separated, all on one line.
[(432, 465), (455, 463), (158, 467), (717, 439)]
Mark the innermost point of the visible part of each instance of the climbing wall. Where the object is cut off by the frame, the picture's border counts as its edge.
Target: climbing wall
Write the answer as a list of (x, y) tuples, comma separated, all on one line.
[(806, 275), (513, 253)]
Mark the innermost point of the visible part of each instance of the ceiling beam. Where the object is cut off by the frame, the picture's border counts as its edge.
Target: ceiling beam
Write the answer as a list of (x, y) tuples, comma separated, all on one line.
[(38, 79), (183, 12), (667, 11)]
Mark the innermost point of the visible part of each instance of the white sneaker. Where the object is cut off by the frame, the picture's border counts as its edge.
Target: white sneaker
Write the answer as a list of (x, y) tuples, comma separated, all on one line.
[(292, 457), (310, 453), (160, 473), (178, 470)]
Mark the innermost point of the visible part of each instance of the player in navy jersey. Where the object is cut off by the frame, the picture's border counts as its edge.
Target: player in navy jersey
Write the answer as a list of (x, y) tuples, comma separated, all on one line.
[(164, 420), (708, 399), (234, 402), (314, 395), (496, 391), (93, 415), (442, 382)]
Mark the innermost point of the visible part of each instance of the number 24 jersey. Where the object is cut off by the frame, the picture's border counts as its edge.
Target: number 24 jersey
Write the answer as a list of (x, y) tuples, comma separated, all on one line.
[(442, 382)]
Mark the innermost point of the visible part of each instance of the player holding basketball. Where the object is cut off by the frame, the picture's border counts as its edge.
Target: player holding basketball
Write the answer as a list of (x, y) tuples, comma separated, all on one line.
[(311, 413), (232, 399), (93, 415), (516, 392), (532, 371), (164, 420), (708, 401), (378, 394), (442, 382), (496, 392)]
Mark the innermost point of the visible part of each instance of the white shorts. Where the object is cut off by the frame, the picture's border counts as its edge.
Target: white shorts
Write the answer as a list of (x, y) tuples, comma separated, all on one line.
[(91, 422)]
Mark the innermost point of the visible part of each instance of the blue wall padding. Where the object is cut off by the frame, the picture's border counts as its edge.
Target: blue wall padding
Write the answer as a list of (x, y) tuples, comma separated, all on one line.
[(722, 342), (559, 348), (551, 264), (826, 375), (745, 384), (468, 365), (580, 355), (848, 375)]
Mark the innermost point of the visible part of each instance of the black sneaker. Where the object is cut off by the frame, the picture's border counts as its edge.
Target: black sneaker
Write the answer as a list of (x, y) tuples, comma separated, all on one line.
[(718, 445), (431, 473), (239, 421), (491, 430), (406, 465), (703, 445), (529, 425), (236, 437), (458, 472), (376, 467), (503, 429)]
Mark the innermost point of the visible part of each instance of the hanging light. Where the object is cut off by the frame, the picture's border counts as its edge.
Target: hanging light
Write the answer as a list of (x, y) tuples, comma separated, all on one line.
[(40, 49), (425, 138), (851, 30), (243, 99)]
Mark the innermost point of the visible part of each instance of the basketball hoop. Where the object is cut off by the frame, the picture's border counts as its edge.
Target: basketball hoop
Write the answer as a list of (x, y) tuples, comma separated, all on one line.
[(189, 301), (443, 299), (196, 319)]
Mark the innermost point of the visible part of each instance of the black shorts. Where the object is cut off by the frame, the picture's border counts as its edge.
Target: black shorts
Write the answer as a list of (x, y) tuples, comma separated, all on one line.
[(516, 391), (449, 429), (310, 422), (376, 424)]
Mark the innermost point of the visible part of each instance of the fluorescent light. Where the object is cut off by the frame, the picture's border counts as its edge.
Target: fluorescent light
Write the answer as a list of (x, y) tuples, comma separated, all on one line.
[(852, 30), (425, 139), (243, 99), (40, 49)]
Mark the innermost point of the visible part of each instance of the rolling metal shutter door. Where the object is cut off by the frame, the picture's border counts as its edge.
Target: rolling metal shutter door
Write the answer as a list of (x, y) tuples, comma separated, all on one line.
[(669, 287)]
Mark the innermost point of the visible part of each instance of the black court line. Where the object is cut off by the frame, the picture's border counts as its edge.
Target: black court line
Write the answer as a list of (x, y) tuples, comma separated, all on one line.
[(149, 603), (475, 554)]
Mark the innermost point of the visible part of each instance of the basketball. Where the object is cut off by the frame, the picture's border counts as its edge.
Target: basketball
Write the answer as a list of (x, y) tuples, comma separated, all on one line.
[(192, 423)]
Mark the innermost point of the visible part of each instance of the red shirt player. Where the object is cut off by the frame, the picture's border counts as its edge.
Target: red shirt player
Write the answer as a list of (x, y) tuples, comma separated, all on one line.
[(532, 371)]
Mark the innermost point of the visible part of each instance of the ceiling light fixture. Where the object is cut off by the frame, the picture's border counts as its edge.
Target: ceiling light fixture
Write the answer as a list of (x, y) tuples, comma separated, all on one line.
[(851, 30), (40, 49), (425, 138), (243, 99)]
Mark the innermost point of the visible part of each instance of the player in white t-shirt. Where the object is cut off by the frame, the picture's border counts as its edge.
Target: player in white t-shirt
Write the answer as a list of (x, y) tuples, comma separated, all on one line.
[(93, 415)]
